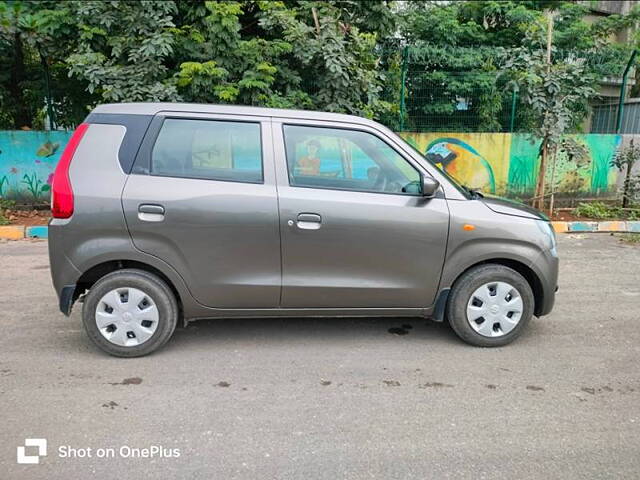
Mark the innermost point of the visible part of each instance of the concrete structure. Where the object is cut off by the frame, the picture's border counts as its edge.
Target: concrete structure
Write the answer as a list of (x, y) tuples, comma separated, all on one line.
[(501, 163), (604, 117)]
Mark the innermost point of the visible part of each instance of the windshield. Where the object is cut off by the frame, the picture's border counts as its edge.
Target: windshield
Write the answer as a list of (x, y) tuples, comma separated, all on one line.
[(466, 191)]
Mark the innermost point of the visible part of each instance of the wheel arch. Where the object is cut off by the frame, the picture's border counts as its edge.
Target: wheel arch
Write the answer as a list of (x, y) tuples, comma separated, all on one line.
[(523, 269), (98, 271)]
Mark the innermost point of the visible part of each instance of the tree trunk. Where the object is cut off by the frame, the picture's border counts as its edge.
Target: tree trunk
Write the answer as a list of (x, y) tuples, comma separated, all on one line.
[(627, 185), (22, 116), (554, 157), (539, 194)]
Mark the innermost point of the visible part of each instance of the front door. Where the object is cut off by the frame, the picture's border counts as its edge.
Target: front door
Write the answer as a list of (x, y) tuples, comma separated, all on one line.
[(355, 230), (203, 199)]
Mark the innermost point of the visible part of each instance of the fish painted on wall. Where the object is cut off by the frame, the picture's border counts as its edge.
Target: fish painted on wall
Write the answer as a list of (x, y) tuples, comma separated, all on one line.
[(462, 162), (47, 149)]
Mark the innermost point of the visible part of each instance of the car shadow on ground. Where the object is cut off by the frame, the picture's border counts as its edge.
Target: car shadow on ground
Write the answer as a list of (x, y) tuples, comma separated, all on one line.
[(310, 330), (318, 333)]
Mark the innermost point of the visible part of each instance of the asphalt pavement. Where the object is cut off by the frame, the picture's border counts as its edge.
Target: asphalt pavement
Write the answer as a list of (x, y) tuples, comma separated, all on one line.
[(329, 399)]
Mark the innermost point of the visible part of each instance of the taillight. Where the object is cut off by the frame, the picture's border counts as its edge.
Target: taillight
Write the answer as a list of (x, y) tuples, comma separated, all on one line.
[(62, 193)]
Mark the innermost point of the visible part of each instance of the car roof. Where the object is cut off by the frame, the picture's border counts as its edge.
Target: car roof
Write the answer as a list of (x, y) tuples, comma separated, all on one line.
[(153, 108)]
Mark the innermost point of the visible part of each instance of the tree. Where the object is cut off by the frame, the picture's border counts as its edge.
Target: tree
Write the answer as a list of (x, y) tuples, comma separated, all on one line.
[(557, 93), (456, 49), (35, 40), (626, 159), (295, 55), (122, 48), (337, 55)]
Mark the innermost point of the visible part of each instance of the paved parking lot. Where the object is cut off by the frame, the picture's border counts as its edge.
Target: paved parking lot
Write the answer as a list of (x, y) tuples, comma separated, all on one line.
[(331, 398)]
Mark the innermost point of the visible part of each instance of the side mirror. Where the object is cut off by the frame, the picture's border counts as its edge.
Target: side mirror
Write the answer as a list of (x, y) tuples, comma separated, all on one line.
[(429, 186)]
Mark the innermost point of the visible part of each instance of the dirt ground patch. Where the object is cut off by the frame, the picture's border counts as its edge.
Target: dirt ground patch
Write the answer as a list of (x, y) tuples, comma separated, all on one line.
[(570, 217), (27, 217)]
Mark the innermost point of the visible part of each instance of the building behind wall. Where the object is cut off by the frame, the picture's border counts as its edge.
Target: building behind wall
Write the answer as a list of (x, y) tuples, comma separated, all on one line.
[(605, 107)]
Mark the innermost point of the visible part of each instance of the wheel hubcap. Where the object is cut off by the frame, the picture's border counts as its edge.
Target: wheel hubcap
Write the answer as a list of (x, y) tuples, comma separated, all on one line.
[(127, 317), (494, 309)]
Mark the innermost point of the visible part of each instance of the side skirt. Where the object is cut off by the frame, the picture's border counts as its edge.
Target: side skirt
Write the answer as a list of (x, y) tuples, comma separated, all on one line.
[(436, 312), (309, 313)]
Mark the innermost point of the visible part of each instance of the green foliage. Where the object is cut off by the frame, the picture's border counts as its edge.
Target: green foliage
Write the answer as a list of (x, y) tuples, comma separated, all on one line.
[(4, 205), (456, 47), (624, 160), (557, 94), (122, 48), (597, 210), (287, 61), (35, 39), (342, 56), (631, 238), (602, 211)]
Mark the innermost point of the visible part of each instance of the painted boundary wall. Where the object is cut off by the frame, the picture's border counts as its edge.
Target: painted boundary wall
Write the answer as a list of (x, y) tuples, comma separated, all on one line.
[(507, 163), (500, 163), (27, 162)]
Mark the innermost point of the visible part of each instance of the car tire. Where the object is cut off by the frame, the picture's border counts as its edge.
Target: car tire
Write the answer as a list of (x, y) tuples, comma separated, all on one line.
[(156, 298), (466, 310)]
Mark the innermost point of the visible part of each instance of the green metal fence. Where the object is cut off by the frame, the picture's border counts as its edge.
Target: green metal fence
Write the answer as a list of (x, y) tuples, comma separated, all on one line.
[(480, 98), (458, 102), (472, 98)]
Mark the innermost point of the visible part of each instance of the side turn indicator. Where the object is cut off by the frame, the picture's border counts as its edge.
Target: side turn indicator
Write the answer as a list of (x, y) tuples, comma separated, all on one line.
[(467, 227)]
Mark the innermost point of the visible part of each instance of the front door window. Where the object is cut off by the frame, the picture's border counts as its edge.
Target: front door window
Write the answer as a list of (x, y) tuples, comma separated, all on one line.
[(344, 159)]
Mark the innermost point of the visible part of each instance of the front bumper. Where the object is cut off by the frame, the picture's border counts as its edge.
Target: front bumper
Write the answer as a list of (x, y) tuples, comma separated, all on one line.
[(546, 267)]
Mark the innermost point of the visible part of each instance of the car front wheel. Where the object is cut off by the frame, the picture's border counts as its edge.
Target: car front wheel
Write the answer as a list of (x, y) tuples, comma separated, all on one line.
[(490, 305)]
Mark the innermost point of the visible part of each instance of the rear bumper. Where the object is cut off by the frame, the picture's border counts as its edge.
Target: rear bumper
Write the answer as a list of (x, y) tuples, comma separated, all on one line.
[(66, 299), (64, 273)]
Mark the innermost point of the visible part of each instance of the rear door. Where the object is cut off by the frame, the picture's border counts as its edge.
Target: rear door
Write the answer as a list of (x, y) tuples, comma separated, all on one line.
[(356, 232), (202, 197)]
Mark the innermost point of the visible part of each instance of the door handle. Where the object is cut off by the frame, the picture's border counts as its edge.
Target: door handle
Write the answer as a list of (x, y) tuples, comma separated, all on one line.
[(148, 212), (150, 208), (309, 221)]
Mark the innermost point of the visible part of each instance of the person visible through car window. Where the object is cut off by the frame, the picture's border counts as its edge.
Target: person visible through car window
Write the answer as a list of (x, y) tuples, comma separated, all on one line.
[(310, 163)]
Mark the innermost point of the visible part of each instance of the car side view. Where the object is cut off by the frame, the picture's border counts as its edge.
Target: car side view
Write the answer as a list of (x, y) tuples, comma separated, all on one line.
[(168, 212)]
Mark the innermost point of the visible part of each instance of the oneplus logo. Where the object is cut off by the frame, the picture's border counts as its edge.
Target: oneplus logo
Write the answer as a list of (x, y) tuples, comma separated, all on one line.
[(41, 443)]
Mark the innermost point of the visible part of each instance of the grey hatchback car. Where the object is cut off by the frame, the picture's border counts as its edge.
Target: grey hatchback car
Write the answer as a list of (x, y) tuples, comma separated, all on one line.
[(168, 212)]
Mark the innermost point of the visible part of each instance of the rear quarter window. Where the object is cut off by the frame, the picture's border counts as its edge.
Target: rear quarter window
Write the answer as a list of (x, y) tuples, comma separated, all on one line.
[(208, 149)]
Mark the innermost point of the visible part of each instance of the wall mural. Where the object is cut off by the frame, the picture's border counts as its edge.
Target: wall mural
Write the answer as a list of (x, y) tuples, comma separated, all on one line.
[(27, 162), (507, 164), (500, 163)]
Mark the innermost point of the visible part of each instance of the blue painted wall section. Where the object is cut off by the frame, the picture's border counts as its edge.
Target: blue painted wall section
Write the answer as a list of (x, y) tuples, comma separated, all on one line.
[(38, 231), (27, 162), (583, 226)]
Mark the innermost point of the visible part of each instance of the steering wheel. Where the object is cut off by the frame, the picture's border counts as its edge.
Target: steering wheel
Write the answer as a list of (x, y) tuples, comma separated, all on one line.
[(384, 184), (380, 184)]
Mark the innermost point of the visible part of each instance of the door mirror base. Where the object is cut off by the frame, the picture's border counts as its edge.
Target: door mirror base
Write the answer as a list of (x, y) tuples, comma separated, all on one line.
[(429, 186)]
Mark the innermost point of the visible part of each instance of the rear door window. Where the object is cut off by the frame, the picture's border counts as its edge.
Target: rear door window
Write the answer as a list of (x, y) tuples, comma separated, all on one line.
[(208, 149)]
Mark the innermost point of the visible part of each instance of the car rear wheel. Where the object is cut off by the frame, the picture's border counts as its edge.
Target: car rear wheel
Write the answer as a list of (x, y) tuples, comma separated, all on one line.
[(130, 313), (490, 305)]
